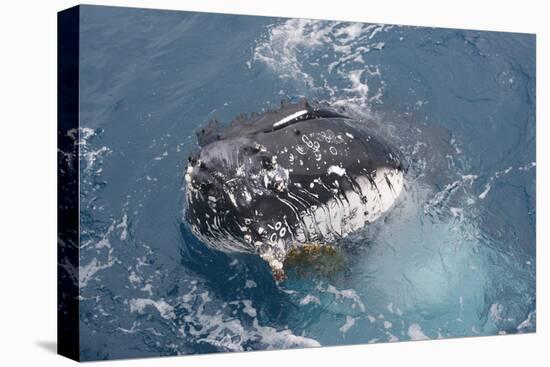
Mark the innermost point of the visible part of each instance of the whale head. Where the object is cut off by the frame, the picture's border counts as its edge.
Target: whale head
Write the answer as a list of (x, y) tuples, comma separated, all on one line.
[(285, 178)]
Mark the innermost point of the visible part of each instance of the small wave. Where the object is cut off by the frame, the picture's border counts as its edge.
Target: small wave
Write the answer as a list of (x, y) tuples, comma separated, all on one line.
[(415, 332), (199, 318), (296, 50)]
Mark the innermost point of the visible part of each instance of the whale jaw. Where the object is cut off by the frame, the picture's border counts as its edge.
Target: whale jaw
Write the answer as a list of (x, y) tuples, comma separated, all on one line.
[(342, 215), (352, 210)]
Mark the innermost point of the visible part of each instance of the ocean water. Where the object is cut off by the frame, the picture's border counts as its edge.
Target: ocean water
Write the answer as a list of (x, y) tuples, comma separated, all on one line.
[(454, 258)]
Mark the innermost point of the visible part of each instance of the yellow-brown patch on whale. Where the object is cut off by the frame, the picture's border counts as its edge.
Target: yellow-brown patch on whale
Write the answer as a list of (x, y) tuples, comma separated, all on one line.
[(314, 259)]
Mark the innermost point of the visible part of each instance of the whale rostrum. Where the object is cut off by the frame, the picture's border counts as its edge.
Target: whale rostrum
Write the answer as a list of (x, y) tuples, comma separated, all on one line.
[(288, 178)]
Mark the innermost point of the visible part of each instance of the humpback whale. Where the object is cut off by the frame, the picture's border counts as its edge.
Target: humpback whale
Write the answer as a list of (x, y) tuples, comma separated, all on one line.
[(287, 178)]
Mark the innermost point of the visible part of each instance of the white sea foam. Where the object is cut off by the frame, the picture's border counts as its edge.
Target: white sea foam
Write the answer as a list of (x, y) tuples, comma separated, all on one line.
[(528, 166), (91, 156), (88, 271), (497, 175), (85, 133), (349, 32), (350, 294), (148, 288), (357, 86), (101, 249), (528, 323), (291, 48), (485, 192), (248, 309), (457, 212), (134, 278), (165, 310), (310, 299), (124, 226), (218, 326), (350, 321), (415, 332), (283, 339), (495, 312), (250, 284), (441, 198)]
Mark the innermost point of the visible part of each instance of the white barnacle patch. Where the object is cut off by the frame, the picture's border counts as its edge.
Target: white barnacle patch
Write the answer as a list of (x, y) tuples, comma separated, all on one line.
[(337, 170), (307, 141), (272, 255), (188, 173), (243, 228), (247, 196), (240, 171), (349, 135), (289, 118), (333, 150), (301, 149), (276, 264), (329, 136), (276, 179)]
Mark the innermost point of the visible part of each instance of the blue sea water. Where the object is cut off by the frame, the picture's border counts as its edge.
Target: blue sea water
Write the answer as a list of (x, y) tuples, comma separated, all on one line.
[(455, 257)]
